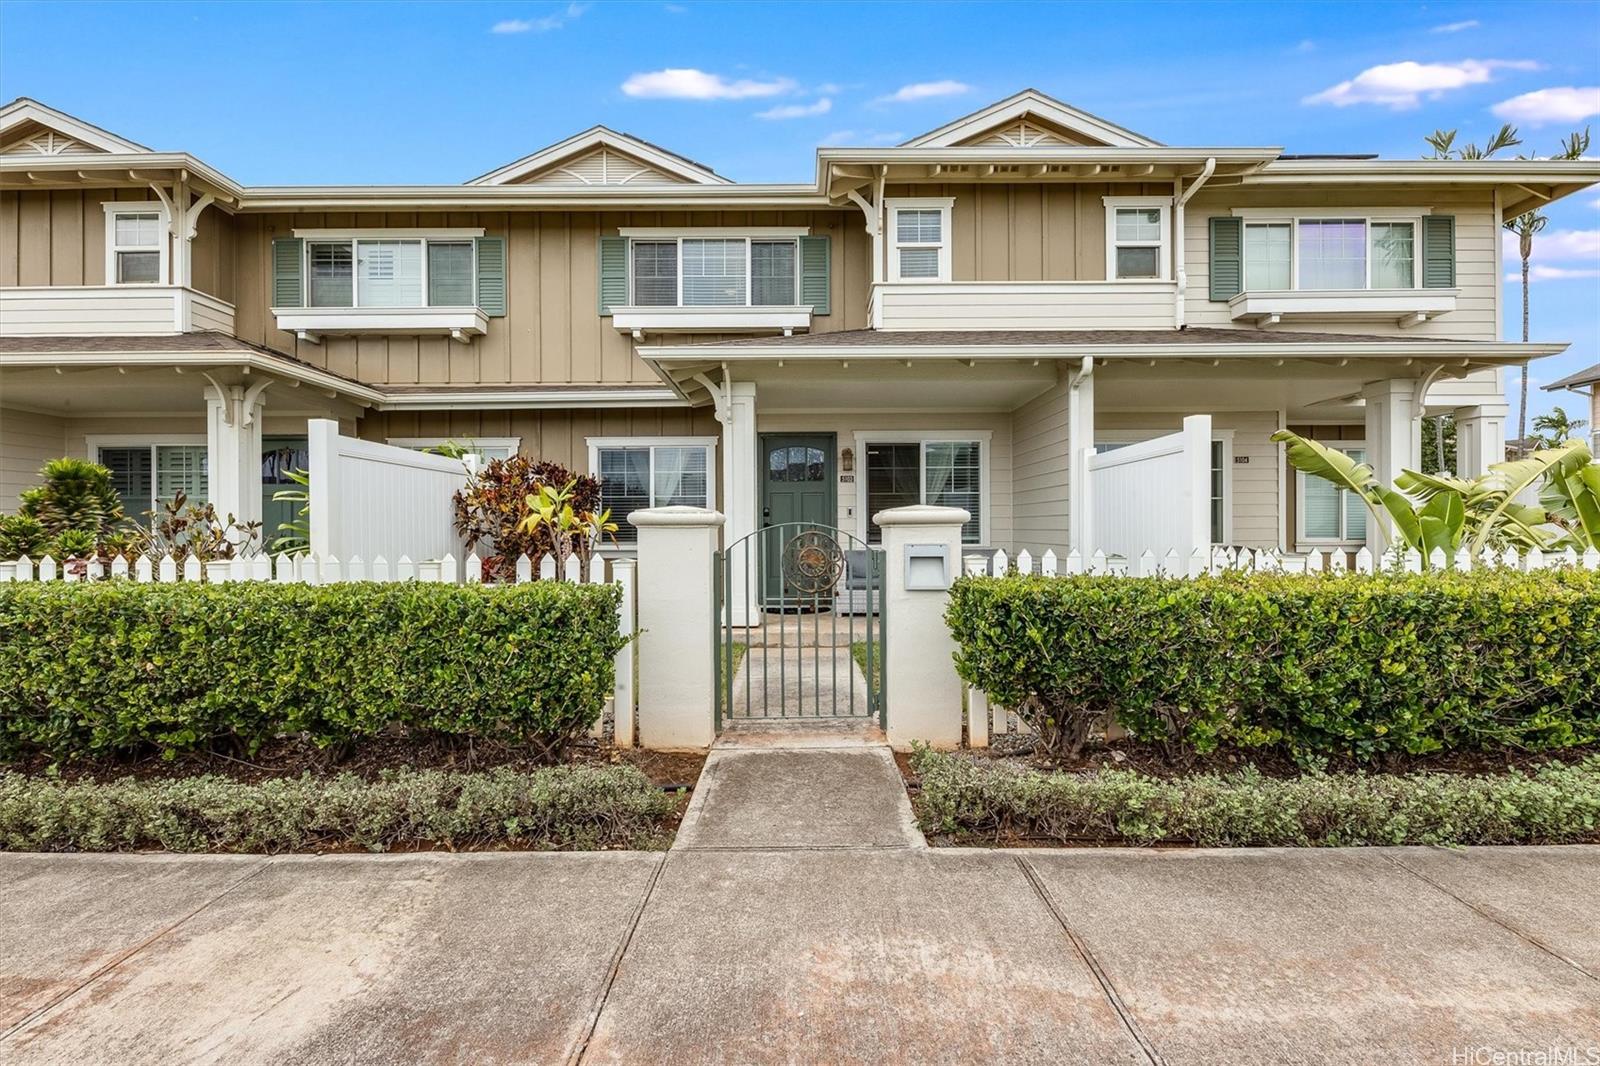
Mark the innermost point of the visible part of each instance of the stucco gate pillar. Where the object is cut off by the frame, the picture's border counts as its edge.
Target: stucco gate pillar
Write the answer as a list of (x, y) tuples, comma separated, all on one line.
[(678, 626), (922, 556)]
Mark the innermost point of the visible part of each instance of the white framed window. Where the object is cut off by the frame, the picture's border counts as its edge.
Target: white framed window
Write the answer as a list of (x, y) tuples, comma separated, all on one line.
[(485, 448), (1138, 238), (919, 238), (714, 266), (1355, 250), (640, 472), (147, 471), (1221, 495), (945, 469), (390, 268), (1326, 514), (136, 243)]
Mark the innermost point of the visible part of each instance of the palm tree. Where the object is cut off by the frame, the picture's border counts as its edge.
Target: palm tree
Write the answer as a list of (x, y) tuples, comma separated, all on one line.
[(1524, 225), (1556, 428)]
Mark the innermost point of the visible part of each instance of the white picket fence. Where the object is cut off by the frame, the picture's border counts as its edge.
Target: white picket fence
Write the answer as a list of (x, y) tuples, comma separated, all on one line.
[(1221, 560), (310, 570)]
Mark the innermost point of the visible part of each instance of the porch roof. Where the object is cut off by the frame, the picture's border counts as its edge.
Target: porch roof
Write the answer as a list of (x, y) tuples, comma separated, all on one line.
[(1589, 375)]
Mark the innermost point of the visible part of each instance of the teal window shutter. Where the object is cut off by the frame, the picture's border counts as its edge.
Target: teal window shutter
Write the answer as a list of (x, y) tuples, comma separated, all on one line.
[(816, 264), (492, 276), (1227, 257), (613, 273), (1439, 252), (288, 257)]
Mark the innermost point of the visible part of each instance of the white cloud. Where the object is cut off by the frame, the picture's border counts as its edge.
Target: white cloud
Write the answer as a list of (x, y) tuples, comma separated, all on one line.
[(687, 83), (543, 24), (925, 90), (1456, 27), (1566, 104), (674, 9), (1539, 272), (1401, 86), (1305, 46), (821, 107), (1558, 246)]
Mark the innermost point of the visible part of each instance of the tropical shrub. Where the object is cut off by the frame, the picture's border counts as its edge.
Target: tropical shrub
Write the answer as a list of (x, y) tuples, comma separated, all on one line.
[(1349, 666), (977, 799), (553, 807), (493, 511), (21, 535), (118, 667), (181, 529), (74, 494)]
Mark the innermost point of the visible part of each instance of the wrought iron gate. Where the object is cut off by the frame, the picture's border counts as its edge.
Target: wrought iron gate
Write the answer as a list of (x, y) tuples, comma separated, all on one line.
[(800, 624)]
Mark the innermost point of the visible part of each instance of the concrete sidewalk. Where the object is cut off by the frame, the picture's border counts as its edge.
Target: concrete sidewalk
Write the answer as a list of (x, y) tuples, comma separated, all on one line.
[(801, 919)]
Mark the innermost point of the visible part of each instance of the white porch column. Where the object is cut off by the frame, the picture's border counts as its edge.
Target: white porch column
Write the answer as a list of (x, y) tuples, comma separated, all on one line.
[(919, 676), (1394, 440), (741, 495), (678, 626), (1480, 438), (1080, 442), (233, 446)]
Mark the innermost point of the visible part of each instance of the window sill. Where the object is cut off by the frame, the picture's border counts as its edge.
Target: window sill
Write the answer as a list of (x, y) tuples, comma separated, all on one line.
[(1404, 307), (639, 320), (312, 323)]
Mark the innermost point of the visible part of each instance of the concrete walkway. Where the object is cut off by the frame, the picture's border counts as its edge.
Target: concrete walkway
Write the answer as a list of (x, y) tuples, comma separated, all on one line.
[(800, 919), (803, 682)]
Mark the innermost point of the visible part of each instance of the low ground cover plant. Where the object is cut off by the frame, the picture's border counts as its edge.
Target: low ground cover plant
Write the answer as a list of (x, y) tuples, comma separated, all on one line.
[(979, 800), (124, 668), (1356, 667), (565, 807)]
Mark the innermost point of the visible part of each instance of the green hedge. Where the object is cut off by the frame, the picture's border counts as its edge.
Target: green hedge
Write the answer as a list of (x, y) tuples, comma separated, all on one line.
[(1336, 665), (556, 807), (119, 667), (979, 799)]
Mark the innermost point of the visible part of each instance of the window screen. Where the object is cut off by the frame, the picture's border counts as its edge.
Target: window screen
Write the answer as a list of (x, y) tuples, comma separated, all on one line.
[(449, 274), (894, 479), (655, 273), (1393, 255), (772, 272), (330, 269), (1333, 254), (713, 273), (1266, 257)]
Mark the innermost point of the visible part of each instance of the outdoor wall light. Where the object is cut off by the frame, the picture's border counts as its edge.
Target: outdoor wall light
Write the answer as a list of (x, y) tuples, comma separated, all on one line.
[(847, 461)]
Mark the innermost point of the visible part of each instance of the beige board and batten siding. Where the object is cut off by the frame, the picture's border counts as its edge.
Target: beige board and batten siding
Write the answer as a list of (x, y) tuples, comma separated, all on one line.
[(1252, 484), (913, 425), (1477, 234), (552, 332), (27, 442), (57, 237)]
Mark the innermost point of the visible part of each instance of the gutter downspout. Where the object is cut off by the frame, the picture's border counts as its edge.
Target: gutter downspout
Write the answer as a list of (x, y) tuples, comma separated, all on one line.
[(1179, 200), (1080, 442)]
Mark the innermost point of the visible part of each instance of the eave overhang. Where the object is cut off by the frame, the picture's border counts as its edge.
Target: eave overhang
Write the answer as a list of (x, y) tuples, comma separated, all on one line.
[(103, 170)]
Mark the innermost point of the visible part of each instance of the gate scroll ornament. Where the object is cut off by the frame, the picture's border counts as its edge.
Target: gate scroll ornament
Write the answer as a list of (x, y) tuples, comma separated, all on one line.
[(813, 563)]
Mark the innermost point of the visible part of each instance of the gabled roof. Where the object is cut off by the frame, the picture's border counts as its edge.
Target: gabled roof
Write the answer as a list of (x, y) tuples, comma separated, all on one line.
[(648, 159), (29, 127), (1042, 113), (1589, 375)]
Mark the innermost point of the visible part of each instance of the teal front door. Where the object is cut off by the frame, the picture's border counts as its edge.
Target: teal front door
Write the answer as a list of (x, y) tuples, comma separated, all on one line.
[(799, 489)]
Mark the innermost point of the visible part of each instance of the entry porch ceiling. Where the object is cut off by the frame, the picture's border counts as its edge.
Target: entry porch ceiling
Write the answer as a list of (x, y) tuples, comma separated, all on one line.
[(100, 391)]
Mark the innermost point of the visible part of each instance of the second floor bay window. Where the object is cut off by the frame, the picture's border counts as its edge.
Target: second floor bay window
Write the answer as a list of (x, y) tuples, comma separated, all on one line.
[(389, 272), (714, 272), (1312, 254)]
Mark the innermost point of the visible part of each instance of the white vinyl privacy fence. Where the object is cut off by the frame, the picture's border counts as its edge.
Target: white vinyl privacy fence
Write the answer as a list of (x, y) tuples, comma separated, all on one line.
[(369, 499), (1154, 496)]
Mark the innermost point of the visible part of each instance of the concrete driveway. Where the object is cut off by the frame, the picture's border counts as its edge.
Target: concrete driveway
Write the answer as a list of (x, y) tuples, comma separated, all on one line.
[(841, 940)]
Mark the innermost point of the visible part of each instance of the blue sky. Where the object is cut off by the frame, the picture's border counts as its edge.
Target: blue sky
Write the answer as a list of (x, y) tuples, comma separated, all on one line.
[(368, 92)]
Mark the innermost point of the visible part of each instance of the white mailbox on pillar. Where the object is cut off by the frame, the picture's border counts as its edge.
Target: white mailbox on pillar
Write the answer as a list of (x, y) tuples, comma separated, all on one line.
[(920, 545)]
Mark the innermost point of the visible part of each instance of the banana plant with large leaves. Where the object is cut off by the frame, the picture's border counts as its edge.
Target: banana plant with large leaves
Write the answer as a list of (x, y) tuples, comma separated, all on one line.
[(1571, 498), (1435, 511)]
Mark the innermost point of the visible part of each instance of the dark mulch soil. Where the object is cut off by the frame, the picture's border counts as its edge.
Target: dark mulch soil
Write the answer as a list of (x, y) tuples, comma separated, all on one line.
[(291, 758)]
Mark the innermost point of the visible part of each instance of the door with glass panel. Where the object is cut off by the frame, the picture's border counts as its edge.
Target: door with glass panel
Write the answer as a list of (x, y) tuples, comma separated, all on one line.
[(798, 489)]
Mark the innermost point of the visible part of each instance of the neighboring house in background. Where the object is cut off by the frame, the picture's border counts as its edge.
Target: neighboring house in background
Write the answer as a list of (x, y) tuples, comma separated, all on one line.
[(1585, 382), (956, 320)]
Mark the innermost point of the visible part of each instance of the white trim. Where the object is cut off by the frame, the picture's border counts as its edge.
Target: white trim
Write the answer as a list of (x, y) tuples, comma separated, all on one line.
[(922, 438), (595, 137), (354, 238), (1028, 102), (1163, 244), (508, 444), (455, 233), (318, 321), (698, 319), (945, 206), (1283, 214), (93, 137), (113, 208), (596, 444), (758, 232), (1300, 538), (644, 316)]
